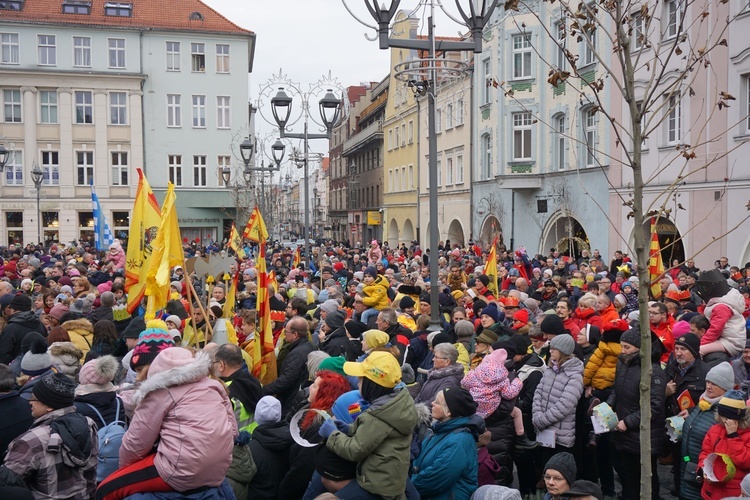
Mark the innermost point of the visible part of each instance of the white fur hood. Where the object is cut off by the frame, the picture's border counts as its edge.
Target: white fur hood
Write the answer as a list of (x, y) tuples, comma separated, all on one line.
[(194, 371)]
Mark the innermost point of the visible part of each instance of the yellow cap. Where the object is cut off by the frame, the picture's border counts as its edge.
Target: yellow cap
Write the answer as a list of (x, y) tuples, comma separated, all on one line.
[(376, 338), (379, 367)]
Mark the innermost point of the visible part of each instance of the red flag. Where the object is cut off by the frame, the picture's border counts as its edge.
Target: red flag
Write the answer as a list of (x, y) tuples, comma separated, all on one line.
[(655, 264), (264, 359)]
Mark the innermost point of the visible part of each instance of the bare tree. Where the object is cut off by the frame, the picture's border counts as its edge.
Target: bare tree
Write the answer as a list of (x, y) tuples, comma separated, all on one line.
[(651, 56)]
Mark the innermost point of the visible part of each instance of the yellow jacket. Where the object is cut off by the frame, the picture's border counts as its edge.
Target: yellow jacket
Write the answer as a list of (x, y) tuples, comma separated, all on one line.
[(81, 333), (463, 356), (600, 369), (376, 294)]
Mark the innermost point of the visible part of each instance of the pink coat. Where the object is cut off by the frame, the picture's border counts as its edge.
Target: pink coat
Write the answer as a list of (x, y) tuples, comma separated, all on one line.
[(192, 417), (118, 258)]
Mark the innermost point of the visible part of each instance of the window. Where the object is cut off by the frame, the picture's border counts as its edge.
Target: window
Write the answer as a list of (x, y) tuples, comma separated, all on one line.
[(559, 143), (47, 50), (199, 111), (403, 179), (11, 5), (82, 51), (674, 119), (14, 169), (74, 7), (589, 131), (449, 116), (448, 171), (522, 136), (222, 112), (119, 168), (561, 61), (398, 181), (118, 108), (84, 107), (403, 134), (439, 167), (674, 17), (438, 121), (175, 169), (589, 39), (51, 168), (746, 81), (48, 111), (390, 139), (460, 112), (639, 31), (222, 58), (223, 161), (9, 43), (173, 56), (391, 186), (116, 53), (12, 106), (487, 79), (118, 9), (486, 156), (521, 56), (411, 131), (198, 57), (174, 115), (459, 169), (398, 137), (85, 167), (199, 170), (121, 224), (411, 176)]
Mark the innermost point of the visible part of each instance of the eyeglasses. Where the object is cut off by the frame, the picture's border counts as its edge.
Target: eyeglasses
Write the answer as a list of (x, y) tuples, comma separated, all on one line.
[(654, 313), (438, 357), (33, 400), (554, 479)]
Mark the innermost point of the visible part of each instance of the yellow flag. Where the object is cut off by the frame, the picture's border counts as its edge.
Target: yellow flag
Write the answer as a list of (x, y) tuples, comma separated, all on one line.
[(264, 359), (256, 229), (167, 254), (490, 269), (235, 242), (230, 300), (144, 226)]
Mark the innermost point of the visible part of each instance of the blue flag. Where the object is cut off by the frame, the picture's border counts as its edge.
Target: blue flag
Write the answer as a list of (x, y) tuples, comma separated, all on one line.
[(103, 237)]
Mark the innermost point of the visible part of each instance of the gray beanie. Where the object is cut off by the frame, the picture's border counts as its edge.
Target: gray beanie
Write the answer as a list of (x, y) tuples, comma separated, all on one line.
[(565, 464), (496, 492), (464, 328), (36, 361), (563, 343), (722, 376), (329, 306), (314, 359), (267, 411), (632, 337)]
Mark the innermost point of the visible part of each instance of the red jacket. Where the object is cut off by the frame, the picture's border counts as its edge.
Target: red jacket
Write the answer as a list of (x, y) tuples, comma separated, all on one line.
[(585, 317), (737, 447), (664, 331)]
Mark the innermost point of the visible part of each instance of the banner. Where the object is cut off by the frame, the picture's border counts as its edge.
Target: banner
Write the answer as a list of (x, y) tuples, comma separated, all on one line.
[(490, 268), (235, 242), (655, 264), (167, 253), (256, 228), (264, 358), (145, 220), (103, 237)]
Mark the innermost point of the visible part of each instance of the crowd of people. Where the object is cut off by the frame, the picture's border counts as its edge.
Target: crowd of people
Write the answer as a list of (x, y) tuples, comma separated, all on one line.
[(365, 395)]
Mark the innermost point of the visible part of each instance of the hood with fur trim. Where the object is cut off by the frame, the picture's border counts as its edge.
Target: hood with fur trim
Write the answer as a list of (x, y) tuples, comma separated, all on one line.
[(82, 326), (198, 369), (67, 352), (424, 414)]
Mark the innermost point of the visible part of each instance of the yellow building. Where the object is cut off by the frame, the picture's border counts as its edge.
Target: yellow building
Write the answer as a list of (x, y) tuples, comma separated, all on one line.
[(401, 151)]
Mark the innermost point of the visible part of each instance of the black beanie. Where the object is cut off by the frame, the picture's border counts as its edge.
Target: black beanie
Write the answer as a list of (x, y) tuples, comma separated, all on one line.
[(333, 467), (691, 342), (459, 402), (552, 325), (20, 302), (406, 302), (565, 464), (632, 337), (441, 338), (55, 390)]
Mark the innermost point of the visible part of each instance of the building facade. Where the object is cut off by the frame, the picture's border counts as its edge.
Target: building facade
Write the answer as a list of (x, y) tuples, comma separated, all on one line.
[(94, 90)]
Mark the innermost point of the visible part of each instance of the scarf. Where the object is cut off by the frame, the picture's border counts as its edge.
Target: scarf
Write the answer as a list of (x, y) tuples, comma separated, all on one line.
[(706, 403)]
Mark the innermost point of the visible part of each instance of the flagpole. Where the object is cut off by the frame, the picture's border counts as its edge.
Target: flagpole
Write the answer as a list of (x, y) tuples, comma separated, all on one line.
[(202, 310)]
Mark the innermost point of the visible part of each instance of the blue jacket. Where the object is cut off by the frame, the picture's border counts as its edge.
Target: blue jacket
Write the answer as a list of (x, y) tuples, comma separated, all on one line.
[(447, 466)]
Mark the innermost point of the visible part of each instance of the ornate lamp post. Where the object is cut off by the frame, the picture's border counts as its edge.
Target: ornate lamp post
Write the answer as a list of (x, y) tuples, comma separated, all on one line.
[(422, 75), (37, 176)]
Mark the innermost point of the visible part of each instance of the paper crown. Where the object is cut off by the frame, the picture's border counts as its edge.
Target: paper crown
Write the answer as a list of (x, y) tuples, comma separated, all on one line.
[(719, 468)]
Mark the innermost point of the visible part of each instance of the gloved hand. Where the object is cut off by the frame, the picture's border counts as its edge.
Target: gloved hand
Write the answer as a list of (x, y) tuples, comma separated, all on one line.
[(332, 425)]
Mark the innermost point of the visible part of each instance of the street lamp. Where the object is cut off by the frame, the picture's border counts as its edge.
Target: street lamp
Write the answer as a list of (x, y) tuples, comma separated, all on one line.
[(226, 175), (277, 155), (421, 74), (330, 110), (4, 157), (37, 176)]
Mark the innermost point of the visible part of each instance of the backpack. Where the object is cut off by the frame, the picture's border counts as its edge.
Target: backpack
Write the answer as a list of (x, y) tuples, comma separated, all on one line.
[(110, 440)]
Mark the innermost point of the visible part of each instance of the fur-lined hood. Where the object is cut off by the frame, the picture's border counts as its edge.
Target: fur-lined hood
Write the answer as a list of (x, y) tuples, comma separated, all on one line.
[(424, 414), (65, 350), (79, 325), (194, 371)]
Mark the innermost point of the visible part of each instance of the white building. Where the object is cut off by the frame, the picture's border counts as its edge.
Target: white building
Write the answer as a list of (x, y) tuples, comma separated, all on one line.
[(93, 90)]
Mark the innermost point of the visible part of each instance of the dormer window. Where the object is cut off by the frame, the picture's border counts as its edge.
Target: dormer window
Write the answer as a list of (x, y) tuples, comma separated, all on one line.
[(73, 7), (11, 4), (195, 16), (118, 9)]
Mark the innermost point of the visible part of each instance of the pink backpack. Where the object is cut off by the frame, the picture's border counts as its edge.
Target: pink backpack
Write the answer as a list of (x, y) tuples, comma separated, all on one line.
[(488, 467)]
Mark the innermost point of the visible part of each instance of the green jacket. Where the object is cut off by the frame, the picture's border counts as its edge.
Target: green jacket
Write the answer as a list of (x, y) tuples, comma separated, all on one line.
[(380, 443)]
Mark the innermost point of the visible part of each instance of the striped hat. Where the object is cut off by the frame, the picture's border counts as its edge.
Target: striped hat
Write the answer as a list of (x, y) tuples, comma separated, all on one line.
[(732, 405), (154, 339)]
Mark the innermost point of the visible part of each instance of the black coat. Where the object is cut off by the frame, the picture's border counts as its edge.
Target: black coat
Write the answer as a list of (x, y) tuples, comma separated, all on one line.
[(12, 335), (625, 401), (500, 425), (16, 420), (292, 372), (104, 402), (339, 344), (694, 381), (301, 464), (101, 313), (270, 449)]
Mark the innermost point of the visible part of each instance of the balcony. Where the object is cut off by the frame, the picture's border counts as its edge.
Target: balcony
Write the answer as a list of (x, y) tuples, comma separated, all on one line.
[(373, 132)]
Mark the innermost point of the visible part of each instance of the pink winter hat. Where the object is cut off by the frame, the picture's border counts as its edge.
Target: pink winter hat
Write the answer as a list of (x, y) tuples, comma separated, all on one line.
[(680, 328)]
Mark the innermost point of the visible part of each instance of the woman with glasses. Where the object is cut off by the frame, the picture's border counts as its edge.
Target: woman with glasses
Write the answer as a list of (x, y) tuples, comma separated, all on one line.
[(445, 372)]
